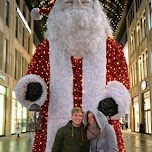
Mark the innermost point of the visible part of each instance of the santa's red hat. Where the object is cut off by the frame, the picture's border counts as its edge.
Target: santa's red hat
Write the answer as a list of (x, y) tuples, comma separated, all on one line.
[(37, 13)]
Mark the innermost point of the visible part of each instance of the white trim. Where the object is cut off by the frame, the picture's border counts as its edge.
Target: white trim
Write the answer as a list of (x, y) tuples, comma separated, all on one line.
[(21, 89), (121, 95)]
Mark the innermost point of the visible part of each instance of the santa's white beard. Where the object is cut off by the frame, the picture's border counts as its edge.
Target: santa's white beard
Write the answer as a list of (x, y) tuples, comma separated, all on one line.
[(77, 31)]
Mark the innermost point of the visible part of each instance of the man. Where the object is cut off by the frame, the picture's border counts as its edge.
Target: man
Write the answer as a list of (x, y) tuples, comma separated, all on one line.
[(72, 137)]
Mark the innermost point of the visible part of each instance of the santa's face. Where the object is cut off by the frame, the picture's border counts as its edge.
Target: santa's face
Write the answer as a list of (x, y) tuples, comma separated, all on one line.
[(77, 25)]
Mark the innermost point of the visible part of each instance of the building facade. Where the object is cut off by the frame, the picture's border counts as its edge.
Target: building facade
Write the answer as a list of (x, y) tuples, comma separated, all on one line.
[(16, 49), (139, 33)]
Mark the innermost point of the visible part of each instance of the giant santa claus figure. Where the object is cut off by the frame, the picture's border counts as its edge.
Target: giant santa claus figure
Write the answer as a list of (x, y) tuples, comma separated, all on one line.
[(77, 65)]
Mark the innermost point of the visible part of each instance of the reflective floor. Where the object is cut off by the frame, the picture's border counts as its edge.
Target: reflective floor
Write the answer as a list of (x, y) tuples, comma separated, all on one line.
[(134, 142), (10, 144)]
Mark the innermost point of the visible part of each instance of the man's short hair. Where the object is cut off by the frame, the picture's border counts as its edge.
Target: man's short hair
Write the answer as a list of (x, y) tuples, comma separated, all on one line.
[(78, 110)]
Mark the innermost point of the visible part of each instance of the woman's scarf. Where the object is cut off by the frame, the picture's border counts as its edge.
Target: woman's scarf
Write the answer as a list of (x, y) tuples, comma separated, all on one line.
[(93, 131)]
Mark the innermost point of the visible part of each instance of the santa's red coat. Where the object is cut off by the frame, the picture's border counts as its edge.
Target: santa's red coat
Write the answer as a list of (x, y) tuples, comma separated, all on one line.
[(116, 70)]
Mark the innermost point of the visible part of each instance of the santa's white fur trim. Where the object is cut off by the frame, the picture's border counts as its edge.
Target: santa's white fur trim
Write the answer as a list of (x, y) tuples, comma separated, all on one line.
[(121, 95), (94, 76), (61, 92), (21, 89), (35, 14)]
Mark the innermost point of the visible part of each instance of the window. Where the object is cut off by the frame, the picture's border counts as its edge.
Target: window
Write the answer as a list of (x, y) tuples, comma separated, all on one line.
[(143, 25), (16, 30), (24, 66), (134, 74), (19, 69), (5, 54), (146, 63), (3, 92), (7, 9), (132, 42), (150, 15), (29, 44), (131, 14), (138, 33), (18, 2), (29, 20), (15, 64), (24, 10), (138, 3), (143, 66), (23, 36)]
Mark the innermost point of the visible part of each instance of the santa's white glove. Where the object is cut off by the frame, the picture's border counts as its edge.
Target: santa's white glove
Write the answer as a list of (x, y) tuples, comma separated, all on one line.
[(31, 89), (117, 101)]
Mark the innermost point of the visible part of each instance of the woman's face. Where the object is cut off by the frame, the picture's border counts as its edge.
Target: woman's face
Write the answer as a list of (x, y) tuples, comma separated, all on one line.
[(91, 119)]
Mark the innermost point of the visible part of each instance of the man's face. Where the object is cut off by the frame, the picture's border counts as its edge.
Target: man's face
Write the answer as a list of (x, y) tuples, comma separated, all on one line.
[(77, 119)]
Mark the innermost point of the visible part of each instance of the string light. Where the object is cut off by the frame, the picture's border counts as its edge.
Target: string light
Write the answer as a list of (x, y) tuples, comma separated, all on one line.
[(77, 81), (117, 70), (40, 58), (117, 128)]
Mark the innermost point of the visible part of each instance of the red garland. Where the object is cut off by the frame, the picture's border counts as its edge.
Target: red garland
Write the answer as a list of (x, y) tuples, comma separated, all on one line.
[(77, 81), (117, 128), (40, 66), (117, 68)]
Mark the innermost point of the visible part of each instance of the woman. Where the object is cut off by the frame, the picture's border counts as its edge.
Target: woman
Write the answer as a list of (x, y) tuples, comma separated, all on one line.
[(101, 134), (18, 130)]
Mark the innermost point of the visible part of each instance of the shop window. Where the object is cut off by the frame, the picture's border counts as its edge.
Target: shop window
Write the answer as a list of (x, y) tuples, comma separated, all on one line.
[(19, 114), (2, 109), (136, 113), (147, 112)]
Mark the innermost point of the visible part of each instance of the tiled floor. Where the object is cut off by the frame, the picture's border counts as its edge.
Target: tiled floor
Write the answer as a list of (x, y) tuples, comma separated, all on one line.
[(10, 144), (133, 143)]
